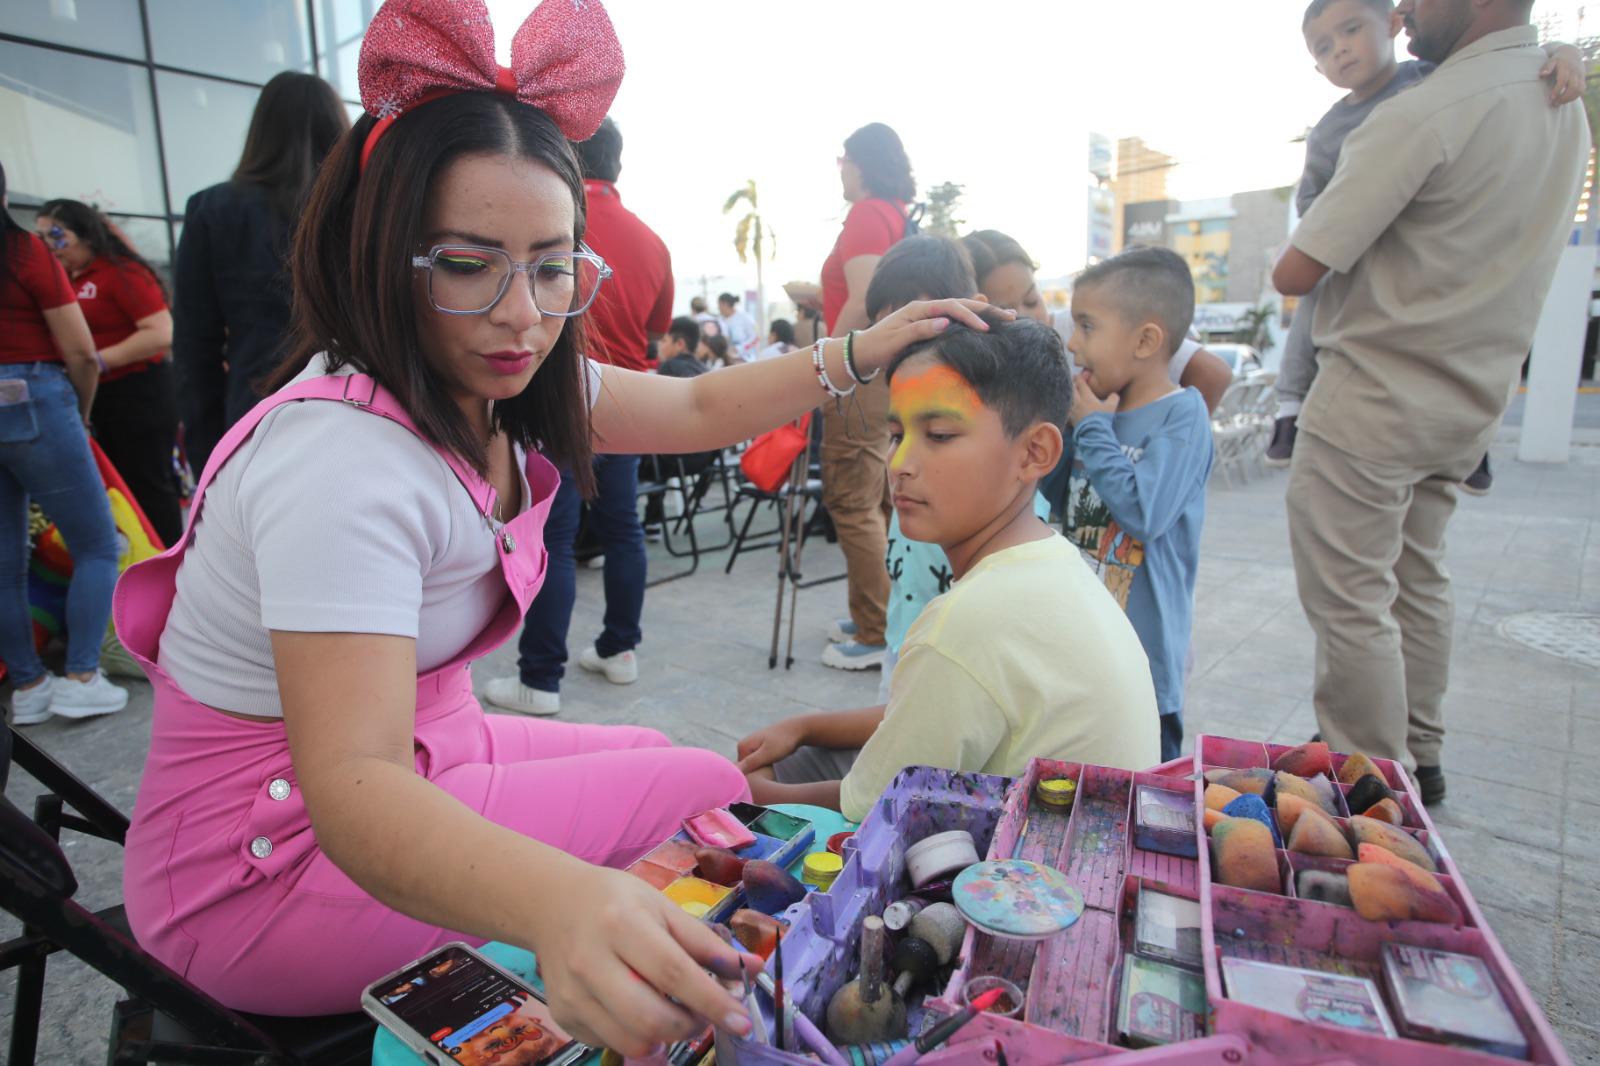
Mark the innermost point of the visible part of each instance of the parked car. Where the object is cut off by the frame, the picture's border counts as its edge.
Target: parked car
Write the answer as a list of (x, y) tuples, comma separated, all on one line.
[(1242, 359)]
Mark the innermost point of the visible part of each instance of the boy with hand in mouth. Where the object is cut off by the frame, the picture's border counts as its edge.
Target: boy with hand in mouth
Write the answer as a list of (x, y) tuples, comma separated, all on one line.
[(1139, 457), (1025, 655)]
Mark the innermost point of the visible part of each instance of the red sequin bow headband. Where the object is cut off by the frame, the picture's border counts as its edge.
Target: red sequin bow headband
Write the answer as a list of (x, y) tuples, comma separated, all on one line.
[(565, 60)]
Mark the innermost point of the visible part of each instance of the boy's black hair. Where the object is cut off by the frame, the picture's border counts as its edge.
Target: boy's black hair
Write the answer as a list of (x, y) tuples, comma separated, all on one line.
[(782, 329), (1317, 7), (686, 330), (1018, 368), (923, 267), (728, 298), (718, 344), (601, 155), (1148, 285)]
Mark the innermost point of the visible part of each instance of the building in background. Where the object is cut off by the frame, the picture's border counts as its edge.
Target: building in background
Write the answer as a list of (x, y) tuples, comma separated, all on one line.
[(1141, 176), (134, 105)]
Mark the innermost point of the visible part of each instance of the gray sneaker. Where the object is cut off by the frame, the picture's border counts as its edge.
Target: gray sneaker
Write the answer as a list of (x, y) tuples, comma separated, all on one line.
[(1480, 481), (30, 706), (852, 655), (841, 630), (1281, 448)]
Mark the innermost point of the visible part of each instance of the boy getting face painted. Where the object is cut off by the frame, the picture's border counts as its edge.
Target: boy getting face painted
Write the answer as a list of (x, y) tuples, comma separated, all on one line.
[(1026, 655)]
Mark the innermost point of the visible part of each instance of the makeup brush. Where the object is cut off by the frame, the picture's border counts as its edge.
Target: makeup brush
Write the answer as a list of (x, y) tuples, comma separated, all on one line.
[(804, 1028), (758, 1028), (777, 997), (945, 1029)]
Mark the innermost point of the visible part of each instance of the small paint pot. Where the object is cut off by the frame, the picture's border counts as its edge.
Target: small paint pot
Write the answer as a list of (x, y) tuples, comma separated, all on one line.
[(820, 869), (1009, 1003), (836, 842), (940, 856), (1057, 793)]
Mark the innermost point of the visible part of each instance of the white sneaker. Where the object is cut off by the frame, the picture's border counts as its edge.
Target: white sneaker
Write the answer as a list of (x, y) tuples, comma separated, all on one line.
[(87, 699), (511, 694), (30, 706), (853, 655), (841, 630), (620, 669)]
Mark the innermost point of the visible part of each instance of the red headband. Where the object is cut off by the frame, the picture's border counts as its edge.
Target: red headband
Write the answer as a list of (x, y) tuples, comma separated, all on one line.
[(565, 60)]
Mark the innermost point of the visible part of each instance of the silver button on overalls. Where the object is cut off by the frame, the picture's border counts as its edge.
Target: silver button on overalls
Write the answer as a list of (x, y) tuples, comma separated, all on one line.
[(508, 542), (279, 789), (261, 847)]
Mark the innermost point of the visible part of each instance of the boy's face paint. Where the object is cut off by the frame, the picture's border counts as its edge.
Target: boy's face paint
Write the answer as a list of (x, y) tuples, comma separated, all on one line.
[(952, 467)]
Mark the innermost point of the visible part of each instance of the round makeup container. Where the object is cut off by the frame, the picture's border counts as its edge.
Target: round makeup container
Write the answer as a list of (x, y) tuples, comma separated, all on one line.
[(1057, 793), (820, 869), (938, 856)]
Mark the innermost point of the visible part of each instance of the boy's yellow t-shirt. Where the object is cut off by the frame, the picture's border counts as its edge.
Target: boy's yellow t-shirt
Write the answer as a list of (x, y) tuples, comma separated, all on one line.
[(1027, 655)]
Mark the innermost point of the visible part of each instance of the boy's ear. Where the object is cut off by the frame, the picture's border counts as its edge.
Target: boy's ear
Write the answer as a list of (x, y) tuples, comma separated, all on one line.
[(1149, 341), (1042, 445)]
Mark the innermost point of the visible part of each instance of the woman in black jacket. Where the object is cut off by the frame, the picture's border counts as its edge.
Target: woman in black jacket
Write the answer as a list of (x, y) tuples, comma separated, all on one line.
[(231, 289)]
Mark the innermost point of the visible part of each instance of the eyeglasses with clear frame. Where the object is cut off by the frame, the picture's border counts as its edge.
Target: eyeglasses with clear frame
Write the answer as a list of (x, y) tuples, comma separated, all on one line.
[(467, 279)]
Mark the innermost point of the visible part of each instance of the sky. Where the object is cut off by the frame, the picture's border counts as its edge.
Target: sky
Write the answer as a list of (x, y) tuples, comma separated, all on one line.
[(1000, 97)]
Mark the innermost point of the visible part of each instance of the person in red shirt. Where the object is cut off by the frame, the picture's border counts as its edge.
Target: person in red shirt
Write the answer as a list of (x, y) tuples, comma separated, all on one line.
[(47, 385), (634, 309), (135, 415), (876, 178)]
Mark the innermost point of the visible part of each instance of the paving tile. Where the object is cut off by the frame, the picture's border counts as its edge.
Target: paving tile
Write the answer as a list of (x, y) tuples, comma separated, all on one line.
[(1581, 840), (1531, 944), (1505, 762), (1468, 712), (1579, 907), (1582, 1042), (1249, 715), (1501, 873), (1577, 976), (1521, 815)]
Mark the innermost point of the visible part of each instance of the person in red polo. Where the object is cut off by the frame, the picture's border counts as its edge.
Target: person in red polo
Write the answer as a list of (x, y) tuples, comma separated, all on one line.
[(135, 414), (633, 309)]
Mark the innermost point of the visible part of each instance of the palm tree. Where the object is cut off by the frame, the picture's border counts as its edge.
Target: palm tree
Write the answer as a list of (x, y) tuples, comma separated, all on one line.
[(1254, 327), (752, 236), (943, 202)]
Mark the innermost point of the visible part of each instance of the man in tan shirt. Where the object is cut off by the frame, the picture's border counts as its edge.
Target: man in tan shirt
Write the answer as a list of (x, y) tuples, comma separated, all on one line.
[(1442, 227)]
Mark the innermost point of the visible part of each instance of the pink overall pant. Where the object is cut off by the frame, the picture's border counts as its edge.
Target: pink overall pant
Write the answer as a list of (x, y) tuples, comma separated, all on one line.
[(224, 880)]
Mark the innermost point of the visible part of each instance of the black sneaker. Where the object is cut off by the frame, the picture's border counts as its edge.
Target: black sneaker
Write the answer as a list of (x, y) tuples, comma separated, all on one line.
[(1281, 449), (1430, 782), (1480, 481)]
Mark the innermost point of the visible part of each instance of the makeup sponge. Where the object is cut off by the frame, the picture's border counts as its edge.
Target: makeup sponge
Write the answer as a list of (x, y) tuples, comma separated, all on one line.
[(1365, 830), (1384, 893), (1308, 760), (1317, 836), (1245, 856), (1254, 807)]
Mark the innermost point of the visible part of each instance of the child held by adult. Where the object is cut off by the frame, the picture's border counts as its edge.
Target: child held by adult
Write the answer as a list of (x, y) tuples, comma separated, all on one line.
[(1025, 655), (1352, 42), (1139, 457)]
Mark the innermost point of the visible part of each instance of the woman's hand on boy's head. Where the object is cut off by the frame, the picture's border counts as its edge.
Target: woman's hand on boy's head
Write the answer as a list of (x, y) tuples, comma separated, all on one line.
[(919, 321), (1086, 403)]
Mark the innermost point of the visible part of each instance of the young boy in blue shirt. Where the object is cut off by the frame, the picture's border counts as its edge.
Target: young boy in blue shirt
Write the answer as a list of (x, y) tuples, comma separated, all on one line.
[(1352, 42), (1140, 455)]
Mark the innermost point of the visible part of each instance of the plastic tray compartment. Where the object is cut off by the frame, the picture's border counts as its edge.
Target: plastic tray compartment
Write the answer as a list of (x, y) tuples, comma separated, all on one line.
[(780, 838)]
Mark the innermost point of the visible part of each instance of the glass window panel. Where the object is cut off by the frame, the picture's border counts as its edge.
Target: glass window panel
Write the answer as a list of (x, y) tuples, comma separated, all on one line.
[(250, 41), (149, 237), (98, 25), (340, 26), (76, 127), (203, 123)]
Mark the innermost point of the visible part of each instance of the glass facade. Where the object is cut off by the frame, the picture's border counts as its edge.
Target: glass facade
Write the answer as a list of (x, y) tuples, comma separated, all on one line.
[(135, 105)]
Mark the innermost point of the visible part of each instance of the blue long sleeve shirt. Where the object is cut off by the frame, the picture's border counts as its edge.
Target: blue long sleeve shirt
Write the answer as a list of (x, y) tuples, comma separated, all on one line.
[(1136, 503)]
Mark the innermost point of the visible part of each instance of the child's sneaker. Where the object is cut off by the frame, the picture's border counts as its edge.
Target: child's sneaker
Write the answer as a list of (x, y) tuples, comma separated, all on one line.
[(30, 706), (853, 655), (1281, 449), (87, 699), (1480, 481), (620, 669), (841, 630), (509, 693)]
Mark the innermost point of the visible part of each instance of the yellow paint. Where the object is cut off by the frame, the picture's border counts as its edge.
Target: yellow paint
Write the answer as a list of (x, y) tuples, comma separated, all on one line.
[(693, 890), (916, 398)]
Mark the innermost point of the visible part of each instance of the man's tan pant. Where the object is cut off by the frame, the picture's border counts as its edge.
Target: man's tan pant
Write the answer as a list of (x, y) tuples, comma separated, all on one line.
[(1368, 543), (855, 489)]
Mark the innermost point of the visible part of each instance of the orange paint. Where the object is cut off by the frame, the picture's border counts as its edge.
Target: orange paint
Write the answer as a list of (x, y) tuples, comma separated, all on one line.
[(917, 398)]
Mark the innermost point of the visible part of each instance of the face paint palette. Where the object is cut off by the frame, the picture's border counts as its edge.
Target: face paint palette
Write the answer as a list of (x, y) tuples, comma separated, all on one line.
[(780, 838)]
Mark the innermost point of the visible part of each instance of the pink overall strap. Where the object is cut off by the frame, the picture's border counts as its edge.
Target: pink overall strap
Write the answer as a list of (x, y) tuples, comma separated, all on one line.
[(143, 597)]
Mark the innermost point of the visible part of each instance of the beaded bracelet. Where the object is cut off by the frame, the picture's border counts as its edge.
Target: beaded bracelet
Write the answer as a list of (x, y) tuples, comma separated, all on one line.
[(822, 373), (850, 361)]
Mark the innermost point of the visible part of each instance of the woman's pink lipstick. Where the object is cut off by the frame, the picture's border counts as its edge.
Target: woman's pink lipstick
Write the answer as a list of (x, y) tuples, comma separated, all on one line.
[(509, 362)]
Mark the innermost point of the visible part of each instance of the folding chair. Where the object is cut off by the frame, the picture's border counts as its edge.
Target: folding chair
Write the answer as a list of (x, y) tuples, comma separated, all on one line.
[(691, 491), (794, 527), (165, 1019)]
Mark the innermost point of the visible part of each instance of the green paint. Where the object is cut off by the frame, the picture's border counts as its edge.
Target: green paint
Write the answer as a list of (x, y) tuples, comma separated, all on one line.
[(780, 825)]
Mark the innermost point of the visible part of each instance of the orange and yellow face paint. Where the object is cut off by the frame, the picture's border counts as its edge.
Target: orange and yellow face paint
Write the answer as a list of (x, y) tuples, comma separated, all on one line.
[(918, 397)]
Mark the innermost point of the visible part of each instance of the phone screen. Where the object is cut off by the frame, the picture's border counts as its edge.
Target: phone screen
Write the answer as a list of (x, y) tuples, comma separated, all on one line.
[(472, 1012)]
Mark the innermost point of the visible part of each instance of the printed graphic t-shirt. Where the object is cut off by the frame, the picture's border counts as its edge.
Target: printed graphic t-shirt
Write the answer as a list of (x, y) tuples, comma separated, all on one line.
[(1135, 505), (1025, 656)]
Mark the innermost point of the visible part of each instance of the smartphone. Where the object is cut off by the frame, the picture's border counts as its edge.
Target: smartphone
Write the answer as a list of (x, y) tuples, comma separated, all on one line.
[(456, 1007)]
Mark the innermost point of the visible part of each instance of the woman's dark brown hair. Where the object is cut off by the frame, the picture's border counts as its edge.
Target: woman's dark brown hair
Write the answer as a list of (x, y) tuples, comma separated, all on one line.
[(990, 248), (354, 294), (297, 120), (102, 237), (885, 169)]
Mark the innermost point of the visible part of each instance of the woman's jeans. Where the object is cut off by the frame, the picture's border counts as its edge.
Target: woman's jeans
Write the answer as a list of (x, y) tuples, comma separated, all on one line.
[(45, 457)]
